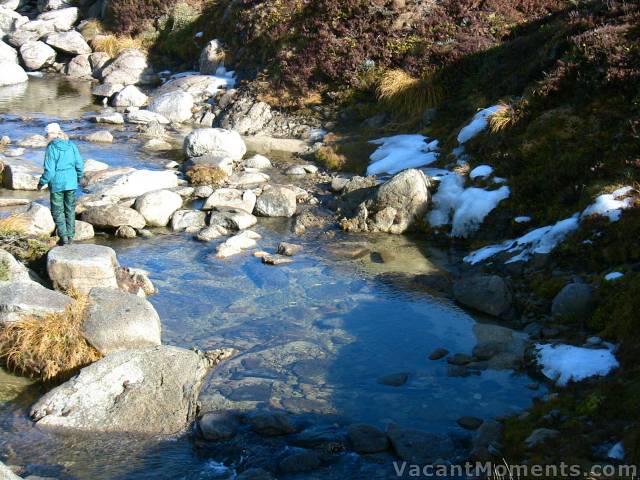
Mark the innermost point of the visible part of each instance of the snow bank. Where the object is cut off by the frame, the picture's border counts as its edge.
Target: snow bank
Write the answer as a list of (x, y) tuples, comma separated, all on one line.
[(611, 204), (223, 78), (481, 171), (464, 209), (540, 240), (400, 152), (613, 276), (616, 452), (479, 123), (566, 363), (522, 219)]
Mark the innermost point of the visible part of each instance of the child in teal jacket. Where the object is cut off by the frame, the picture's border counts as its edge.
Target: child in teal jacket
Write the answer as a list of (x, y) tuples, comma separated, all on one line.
[(63, 169)]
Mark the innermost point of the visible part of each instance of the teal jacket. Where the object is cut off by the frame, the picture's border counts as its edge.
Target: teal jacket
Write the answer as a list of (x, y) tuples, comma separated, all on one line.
[(63, 166)]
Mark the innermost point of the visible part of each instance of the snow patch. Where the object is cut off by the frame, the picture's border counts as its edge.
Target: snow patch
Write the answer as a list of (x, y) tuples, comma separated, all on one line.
[(522, 219), (400, 152), (613, 276), (566, 363), (481, 171), (616, 452), (479, 123), (611, 204)]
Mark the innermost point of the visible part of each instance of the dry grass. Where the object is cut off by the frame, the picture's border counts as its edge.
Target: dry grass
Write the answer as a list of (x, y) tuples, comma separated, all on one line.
[(13, 224), (48, 348), (408, 95), (112, 45), (91, 29), (330, 159), (206, 175), (507, 115)]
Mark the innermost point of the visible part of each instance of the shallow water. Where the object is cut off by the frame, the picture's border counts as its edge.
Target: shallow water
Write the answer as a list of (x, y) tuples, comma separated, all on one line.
[(313, 336)]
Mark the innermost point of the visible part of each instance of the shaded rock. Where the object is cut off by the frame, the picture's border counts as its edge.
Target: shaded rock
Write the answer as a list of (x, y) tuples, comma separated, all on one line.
[(70, 42), (459, 359), (488, 294), (12, 74), (422, 448), (116, 321), (187, 219), (98, 60), (289, 249), (394, 379), (216, 426), (149, 391), (82, 267), (470, 423), (366, 438), (113, 216), (438, 353), (574, 301), (211, 57), (26, 298), (254, 474), (175, 106), (276, 202), (231, 198), (36, 55), (106, 89), (270, 423), (300, 462), (79, 67), (129, 96), (157, 207), (215, 141), (540, 436)]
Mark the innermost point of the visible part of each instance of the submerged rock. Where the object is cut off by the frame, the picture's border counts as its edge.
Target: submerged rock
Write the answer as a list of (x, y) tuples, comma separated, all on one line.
[(418, 447), (216, 426), (237, 244), (82, 267), (488, 294), (150, 391), (367, 438)]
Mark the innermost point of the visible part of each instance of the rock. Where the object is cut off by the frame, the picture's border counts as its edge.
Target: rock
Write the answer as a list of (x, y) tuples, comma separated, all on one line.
[(259, 162), (10, 21), (14, 271), (352, 251), (112, 118), (574, 301), (82, 267), (106, 89), (203, 191), (135, 280), (311, 169), (211, 57), (12, 74), (20, 175), (275, 260), (289, 249), (112, 217), (7, 474), (14, 152), (253, 474), (37, 220), (130, 67), (338, 184), (270, 424), (231, 198), (125, 232), (36, 55), (438, 353), (33, 141), (97, 180), (144, 117), (84, 231), (215, 141), (14, 202), (135, 184), (246, 116), (296, 170), (459, 359), (418, 447), (300, 462), (217, 426), (7, 54), (485, 440), (200, 87), (151, 391), (211, 233), (116, 321), (276, 202), (232, 219), (27, 298), (156, 145), (46, 5), (101, 136), (175, 106), (488, 294), (188, 219), (60, 20), (540, 436), (367, 438), (394, 379), (79, 67), (91, 165), (70, 42), (470, 423), (98, 60), (237, 244), (248, 179), (157, 207), (225, 164)]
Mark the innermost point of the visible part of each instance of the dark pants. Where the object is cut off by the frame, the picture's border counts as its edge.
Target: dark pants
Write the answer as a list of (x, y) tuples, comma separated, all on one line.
[(63, 210)]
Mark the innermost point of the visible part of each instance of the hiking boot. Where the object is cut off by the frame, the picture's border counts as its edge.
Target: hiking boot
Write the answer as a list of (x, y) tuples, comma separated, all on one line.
[(65, 241)]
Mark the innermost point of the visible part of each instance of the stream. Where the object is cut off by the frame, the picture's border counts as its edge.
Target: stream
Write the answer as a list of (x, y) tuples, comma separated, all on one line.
[(314, 336)]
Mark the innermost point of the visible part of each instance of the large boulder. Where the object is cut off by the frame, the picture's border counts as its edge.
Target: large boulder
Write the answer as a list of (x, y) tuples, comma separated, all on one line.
[(82, 267), (20, 175), (231, 198), (175, 106), (150, 391), (143, 117), (420, 447), (37, 220), (116, 321), (60, 20), (215, 141), (276, 202), (36, 55), (70, 42), (10, 21), (157, 207), (12, 74), (136, 183), (130, 96), (211, 57), (574, 301), (188, 219), (79, 67), (7, 54), (200, 87), (14, 271), (246, 116), (129, 68), (488, 294), (27, 298), (112, 217)]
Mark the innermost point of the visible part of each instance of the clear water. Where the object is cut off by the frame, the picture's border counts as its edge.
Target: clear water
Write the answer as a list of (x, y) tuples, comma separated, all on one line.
[(313, 336)]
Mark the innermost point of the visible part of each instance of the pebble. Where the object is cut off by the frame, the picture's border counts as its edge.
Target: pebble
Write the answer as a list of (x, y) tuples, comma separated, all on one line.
[(438, 353)]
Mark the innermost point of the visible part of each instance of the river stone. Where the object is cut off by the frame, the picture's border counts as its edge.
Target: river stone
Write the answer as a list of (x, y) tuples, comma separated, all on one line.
[(37, 220), (237, 244), (212, 233), (188, 219), (84, 231), (7, 474), (541, 436), (15, 271), (71, 42), (112, 118), (157, 207), (7, 54), (438, 353), (91, 165), (157, 145), (217, 426), (215, 141), (93, 178), (246, 115), (46, 5), (394, 379), (36, 55), (289, 249), (151, 391), (98, 60), (12, 74), (116, 321), (27, 298), (367, 438), (211, 57), (470, 423), (33, 141), (144, 117), (78, 67), (419, 447), (574, 301), (129, 96), (232, 219), (60, 20), (231, 198), (113, 216), (20, 175), (300, 462), (125, 232), (129, 68), (276, 202), (10, 20), (259, 162), (225, 164), (82, 267), (106, 89), (200, 87), (174, 106), (247, 179), (136, 183), (488, 294), (101, 136), (270, 424)]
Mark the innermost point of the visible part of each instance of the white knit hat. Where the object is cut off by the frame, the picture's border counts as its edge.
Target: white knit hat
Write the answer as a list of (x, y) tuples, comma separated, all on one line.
[(52, 129)]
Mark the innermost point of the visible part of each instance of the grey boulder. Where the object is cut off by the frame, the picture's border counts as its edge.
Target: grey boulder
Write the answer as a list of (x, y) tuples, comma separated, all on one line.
[(488, 294), (20, 299), (36, 55), (70, 42), (574, 301), (82, 267), (112, 217), (276, 202)]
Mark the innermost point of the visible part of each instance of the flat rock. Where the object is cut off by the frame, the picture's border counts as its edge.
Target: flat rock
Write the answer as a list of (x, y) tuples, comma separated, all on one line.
[(270, 424), (394, 379), (488, 294), (419, 447), (112, 217), (82, 267), (113, 118), (289, 249), (237, 244), (231, 198), (26, 298), (133, 184)]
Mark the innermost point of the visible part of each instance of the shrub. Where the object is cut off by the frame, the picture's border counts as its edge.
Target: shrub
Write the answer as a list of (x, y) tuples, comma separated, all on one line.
[(48, 348), (114, 44), (206, 175), (330, 159), (131, 17)]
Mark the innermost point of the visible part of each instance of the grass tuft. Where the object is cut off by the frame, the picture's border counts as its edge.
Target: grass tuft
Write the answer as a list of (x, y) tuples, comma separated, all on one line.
[(206, 175), (407, 95), (113, 45), (13, 224), (330, 159), (91, 29), (48, 348), (507, 115)]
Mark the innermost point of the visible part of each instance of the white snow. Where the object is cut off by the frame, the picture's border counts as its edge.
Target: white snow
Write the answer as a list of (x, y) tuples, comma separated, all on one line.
[(199, 35), (616, 452), (566, 363), (223, 78), (481, 171), (400, 152), (477, 124), (611, 204), (464, 209), (540, 240), (499, 180), (522, 219), (613, 276)]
